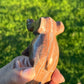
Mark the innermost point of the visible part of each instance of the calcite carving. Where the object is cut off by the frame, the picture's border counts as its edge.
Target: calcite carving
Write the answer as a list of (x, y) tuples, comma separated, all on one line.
[(43, 52)]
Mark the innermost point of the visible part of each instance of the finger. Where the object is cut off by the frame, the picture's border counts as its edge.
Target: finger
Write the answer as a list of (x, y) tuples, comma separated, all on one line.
[(17, 64), (57, 77), (52, 82), (28, 74), (22, 61), (27, 62)]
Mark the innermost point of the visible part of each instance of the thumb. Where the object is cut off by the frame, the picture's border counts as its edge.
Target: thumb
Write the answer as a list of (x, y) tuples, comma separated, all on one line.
[(57, 77), (27, 74)]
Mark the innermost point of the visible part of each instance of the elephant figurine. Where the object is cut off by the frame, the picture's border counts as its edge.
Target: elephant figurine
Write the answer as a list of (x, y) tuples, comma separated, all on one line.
[(43, 51)]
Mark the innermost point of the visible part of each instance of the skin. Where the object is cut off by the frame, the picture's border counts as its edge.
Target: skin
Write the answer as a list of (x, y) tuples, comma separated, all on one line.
[(17, 72)]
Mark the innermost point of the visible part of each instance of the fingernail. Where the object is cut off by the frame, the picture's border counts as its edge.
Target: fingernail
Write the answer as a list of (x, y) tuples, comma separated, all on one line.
[(28, 74)]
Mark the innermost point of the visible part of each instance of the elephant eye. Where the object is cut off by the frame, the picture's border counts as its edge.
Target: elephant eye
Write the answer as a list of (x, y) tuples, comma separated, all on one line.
[(58, 23)]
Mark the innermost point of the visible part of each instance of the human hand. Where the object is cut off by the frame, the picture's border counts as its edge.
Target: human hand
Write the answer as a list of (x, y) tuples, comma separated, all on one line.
[(17, 71)]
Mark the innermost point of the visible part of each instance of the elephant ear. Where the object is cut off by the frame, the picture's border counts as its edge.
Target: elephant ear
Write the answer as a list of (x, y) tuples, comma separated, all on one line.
[(26, 51), (59, 28)]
